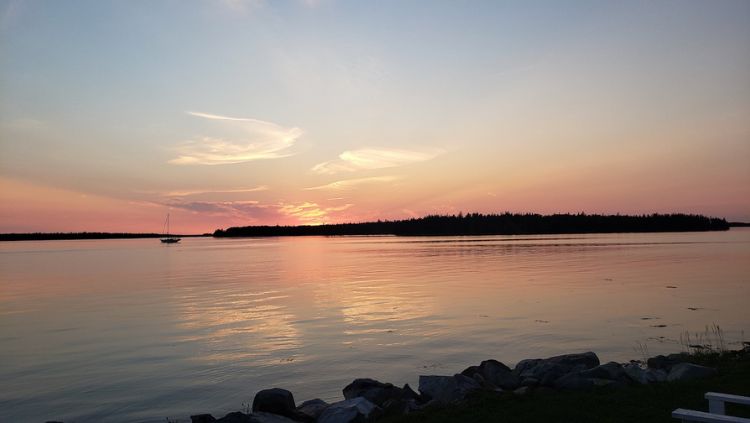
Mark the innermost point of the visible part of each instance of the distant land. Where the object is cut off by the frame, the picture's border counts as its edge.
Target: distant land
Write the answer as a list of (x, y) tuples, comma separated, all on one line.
[(461, 224), (495, 224), (42, 236)]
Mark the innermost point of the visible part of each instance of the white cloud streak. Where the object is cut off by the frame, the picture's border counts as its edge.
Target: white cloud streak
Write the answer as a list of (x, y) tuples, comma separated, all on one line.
[(261, 140), (187, 193), (374, 158), (353, 183), (311, 213)]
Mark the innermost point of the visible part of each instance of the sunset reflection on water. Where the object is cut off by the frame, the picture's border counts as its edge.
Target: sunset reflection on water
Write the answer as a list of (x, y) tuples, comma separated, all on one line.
[(142, 328)]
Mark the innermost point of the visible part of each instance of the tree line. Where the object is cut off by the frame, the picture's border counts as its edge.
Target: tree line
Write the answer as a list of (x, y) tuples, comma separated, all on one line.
[(495, 224), (39, 236)]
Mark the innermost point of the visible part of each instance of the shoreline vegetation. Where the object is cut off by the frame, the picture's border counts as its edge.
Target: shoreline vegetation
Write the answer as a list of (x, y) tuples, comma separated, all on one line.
[(495, 224), (51, 236), (442, 225), (566, 388)]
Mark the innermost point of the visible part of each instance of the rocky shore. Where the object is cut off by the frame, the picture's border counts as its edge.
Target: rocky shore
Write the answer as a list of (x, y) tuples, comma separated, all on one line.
[(367, 400)]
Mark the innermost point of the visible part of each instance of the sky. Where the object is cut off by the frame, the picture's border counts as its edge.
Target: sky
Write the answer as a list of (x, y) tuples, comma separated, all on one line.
[(245, 112)]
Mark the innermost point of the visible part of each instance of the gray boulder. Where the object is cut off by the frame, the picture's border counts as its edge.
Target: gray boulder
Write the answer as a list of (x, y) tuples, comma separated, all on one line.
[(499, 374), (377, 392), (202, 418), (525, 365), (312, 409), (397, 406), (548, 370), (493, 374), (276, 400), (355, 410), (548, 373), (471, 371), (665, 363), (689, 371), (611, 371), (446, 389), (574, 382), (585, 360), (408, 393), (644, 376)]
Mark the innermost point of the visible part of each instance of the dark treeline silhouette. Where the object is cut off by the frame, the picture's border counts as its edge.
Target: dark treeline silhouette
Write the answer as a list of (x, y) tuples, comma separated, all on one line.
[(495, 224), (39, 236)]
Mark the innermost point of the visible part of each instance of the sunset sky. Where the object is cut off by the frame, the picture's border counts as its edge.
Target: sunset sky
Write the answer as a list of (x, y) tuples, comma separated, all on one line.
[(239, 112)]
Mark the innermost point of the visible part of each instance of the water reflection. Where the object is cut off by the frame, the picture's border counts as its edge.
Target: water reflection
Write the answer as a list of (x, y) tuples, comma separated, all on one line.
[(130, 329), (235, 326)]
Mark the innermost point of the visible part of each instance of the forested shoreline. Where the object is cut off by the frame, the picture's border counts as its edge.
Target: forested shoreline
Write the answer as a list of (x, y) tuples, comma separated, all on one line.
[(495, 224)]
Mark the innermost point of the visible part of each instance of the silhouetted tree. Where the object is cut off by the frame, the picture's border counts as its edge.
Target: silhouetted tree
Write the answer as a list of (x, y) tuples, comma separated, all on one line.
[(496, 224)]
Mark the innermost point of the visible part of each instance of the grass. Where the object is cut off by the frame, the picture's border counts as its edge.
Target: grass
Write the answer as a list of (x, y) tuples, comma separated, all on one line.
[(641, 403), (711, 341)]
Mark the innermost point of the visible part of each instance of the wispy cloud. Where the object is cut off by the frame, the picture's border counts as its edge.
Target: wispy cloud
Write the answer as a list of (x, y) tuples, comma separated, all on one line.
[(374, 158), (311, 213), (257, 212), (251, 211), (353, 183), (260, 140), (188, 193)]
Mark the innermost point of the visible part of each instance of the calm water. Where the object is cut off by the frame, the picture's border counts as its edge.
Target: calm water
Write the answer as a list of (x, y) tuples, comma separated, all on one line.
[(133, 330)]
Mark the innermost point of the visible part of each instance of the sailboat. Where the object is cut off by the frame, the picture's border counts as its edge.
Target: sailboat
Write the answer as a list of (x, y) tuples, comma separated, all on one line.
[(169, 239)]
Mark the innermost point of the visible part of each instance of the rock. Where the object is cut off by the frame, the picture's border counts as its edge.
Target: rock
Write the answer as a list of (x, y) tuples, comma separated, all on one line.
[(480, 380), (542, 369), (471, 371), (276, 400), (636, 373), (644, 376), (400, 406), (587, 360), (661, 362), (574, 382), (312, 409), (202, 418), (689, 371), (377, 392), (548, 370), (349, 411), (409, 393), (499, 374), (525, 365), (611, 371), (446, 389), (370, 389)]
